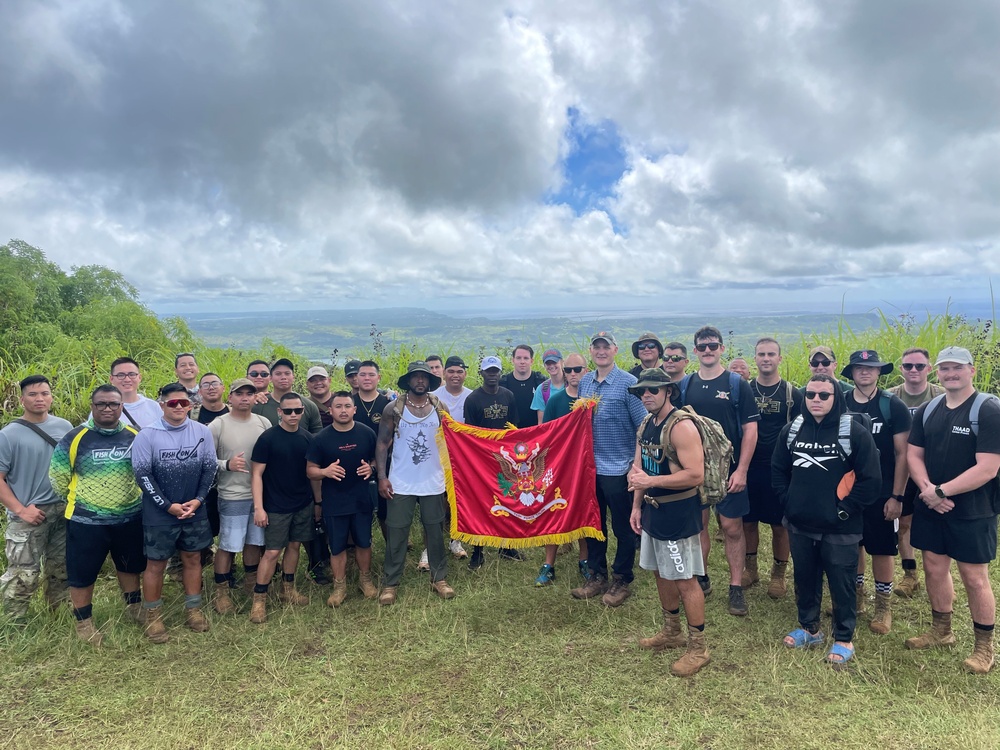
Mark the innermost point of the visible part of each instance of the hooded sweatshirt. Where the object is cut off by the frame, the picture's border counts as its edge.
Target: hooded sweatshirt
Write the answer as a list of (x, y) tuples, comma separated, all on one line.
[(173, 465), (806, 476)]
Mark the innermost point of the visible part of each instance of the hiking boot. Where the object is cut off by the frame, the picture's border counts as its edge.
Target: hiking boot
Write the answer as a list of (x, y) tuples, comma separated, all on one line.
[(737, 602), (596, 586), (367, 586), (705, 583), (511, 554), (339, 593), (258, 610), (862, 600), (584, 570), (320, 576), (156, 631), (388, 596), (982, 658), (196, 620), (694, 658), (249, 581), (882, 619), (777, 588), (939, 635), (909, 586), (477, 559), (289, 595), (443, 589), (750, 573), (670, 635), (136, 613), (457, 550), (87, 632), (223, 604), (546, 576), (424, 564), (617, 593)]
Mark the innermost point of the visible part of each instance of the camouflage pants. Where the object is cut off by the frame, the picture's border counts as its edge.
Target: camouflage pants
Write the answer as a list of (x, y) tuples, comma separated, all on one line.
[(29, 550)]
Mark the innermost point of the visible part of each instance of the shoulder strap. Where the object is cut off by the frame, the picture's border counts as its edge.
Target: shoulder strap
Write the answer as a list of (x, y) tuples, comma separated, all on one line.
[(129, 418), (981, 398), (673, 418), (844, 434), (685, 382), (735, 381), (884, 406), (793, 431), (789, 401), (546, 390), (932, 405), (38, 431)]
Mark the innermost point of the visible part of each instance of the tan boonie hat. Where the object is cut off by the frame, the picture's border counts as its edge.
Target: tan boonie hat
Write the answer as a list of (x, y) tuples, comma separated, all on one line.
[(647, 337)]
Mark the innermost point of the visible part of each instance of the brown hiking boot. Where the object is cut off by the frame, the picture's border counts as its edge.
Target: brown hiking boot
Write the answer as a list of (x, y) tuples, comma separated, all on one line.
[(156, 631), (258, 609), (339, 593), (750, 572), (862, 600), (136, 613), (596, 586), (694, 658), (443, 589), (367, 586), (223, 604), (939, 635), (617, 593), (909, 586), (669, 636), (388, 596), (777, 588), (249, 581), (882, 619), (196, 619), (981, 660), (87, 632), (289, 595)]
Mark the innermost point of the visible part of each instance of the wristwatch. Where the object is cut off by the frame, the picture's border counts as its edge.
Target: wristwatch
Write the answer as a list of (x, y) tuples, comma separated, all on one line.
[(897, 497), (939, 492)]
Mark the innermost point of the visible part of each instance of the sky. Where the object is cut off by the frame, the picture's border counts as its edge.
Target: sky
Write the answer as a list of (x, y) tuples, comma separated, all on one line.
[(672, 156)]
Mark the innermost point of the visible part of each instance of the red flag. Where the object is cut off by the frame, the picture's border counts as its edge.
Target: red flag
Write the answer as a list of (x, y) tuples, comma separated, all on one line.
[(523, 488)]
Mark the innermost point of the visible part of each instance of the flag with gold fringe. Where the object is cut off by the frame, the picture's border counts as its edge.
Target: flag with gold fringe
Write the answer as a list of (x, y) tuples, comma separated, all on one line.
[(523, 488)]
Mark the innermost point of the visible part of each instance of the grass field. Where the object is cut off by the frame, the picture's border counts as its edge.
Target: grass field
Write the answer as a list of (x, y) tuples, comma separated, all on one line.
[(503, 665)]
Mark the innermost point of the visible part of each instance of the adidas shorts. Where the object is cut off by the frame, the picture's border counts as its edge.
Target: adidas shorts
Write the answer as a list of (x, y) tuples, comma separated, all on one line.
[(672, 560)]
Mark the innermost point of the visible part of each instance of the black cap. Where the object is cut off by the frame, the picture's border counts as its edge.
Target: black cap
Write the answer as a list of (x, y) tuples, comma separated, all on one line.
[(454, 361)]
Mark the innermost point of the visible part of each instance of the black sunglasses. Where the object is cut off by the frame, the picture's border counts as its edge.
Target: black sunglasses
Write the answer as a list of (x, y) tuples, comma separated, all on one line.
[(674, 357), (918, 366), (646, 345), (642, 391), (568, 370), (258, 373), (714, 345), (821, 395), (293, 410), (820, 363)]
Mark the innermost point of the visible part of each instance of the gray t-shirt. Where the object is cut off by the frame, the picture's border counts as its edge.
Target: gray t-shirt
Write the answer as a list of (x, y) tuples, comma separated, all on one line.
[(25, 457)]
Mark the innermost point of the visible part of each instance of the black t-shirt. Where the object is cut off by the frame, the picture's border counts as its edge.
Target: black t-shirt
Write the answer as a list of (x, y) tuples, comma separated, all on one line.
[(370, 414), (206, 415), (712, 399), (492, 410), (772, 403), (950, 449), (524, 391), (349, 495), (286, 486), (673, 520), (899, 422)]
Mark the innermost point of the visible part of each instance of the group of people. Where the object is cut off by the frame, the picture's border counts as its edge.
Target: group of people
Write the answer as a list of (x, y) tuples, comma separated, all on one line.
[(839, 469)]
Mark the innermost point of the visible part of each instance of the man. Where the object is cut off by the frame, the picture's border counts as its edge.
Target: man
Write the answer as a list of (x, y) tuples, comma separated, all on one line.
[(740, 367), (186, 370), (454, 393), (648, 350), (715, 393), (36, 528), (235, 435), (822, 361), (351, 369), (889, 420), (816, 456), (282, 380), (174, 464), (318, 385), (341, 457), (616, 419), (675, 361), (552, 360), (91, 470), (914, 391), (522, 382), (492, 407), (435, 363), (137, 410), (778, 402), (666, 511), (283, 497), (259, 373), (559, 405), (954, 456), (211, 390), (408, 428), (369, 404)]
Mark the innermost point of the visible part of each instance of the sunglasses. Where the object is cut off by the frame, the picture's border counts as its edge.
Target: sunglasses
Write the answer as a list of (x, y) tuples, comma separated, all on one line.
[(918, 366), (646, 345), (568, 370), (714, 346), (175, 402), (821, 395), (820, 363), (651, 391), (258, 373), (674, 357), (107, 405), (294, 410)]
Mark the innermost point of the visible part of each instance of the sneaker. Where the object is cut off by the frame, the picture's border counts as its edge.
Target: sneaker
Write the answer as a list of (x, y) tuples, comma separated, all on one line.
[(546, 576), (320, 577), (511, 554), (477, 559), (596, 586), (737, 602), (457, 550), (705, 583), (617, 593), (424, 563), (584, 570)]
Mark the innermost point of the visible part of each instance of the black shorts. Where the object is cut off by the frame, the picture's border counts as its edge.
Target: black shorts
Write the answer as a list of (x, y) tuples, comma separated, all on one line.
[(965, 540), (764, 504), (879, 536), (88, 546), (338, 528), (283, 528), (909, 497), (160, 542)]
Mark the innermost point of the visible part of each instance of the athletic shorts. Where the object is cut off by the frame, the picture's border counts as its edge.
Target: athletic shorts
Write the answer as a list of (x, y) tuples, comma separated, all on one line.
[(734, 505), (880, 537), (965, 540), (764, 504), (236, 526), (338, 528), (909, 497), (160, 542), (283, 528), (88, 546), (674, 561)]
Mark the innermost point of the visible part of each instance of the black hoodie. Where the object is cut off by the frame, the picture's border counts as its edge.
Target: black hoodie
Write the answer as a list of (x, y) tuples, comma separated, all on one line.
[(806, 476)]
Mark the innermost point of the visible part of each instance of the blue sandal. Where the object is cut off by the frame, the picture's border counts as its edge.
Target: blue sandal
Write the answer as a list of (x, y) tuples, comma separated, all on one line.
[(846, 653), (802, 638)]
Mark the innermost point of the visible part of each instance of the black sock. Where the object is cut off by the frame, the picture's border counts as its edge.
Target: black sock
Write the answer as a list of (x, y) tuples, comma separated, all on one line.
[(980, 626), (287, 577), (221, 577), (231, 579), (250, 570), (260, 588), (84, 613), (699, 628), (751, 554), (673, 611), (909, 564), (132, 597), (780, 562), (735, 588)]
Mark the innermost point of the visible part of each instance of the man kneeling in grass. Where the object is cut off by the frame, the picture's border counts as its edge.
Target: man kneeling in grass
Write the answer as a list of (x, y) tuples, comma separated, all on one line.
[(666, 511)]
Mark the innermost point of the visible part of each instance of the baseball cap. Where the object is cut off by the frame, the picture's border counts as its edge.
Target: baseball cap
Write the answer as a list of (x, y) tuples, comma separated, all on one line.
[(317, 370), (490, 362), (824, 350), (954, 354), (352, 367), (242, 383), (551, 355), (605, 336), (454, 361)]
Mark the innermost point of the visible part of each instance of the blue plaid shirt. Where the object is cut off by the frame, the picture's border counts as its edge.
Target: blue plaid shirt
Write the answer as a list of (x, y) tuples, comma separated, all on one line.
[(616, 420)]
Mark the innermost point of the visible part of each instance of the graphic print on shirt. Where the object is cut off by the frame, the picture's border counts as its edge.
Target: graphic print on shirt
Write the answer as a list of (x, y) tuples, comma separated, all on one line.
[(180, 454), (496, 411), (805, 460), (419, 450)]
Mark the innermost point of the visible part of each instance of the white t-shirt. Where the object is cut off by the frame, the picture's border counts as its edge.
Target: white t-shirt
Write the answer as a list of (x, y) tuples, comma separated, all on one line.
[(416, 461), (455, 404)]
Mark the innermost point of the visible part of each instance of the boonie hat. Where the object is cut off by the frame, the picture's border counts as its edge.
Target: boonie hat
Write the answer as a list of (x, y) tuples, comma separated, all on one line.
[(317, 370), (647, 337), (868, 358), (489, 363), (954, 354), (651, 377), (418, 366)]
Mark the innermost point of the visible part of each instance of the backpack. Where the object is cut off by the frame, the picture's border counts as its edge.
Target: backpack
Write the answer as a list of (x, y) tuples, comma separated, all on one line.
[(843, 432), (718, 451), (734, 396), (977, 405), (546, 391)]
